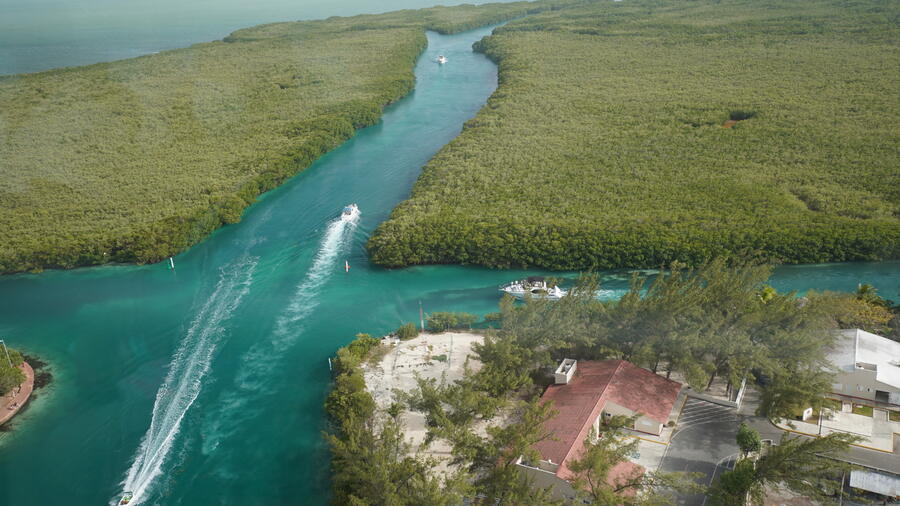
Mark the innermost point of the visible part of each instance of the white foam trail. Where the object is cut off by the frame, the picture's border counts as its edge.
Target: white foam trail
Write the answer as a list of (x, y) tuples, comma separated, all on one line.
[(305, 297), (258, 359), (186, 371)]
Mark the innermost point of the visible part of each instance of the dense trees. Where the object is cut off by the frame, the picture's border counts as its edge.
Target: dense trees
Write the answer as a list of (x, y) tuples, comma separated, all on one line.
[(443, 320), (606, 450), (10, 374), (716, 320), (796, 463), (136, 160), (603, 146)]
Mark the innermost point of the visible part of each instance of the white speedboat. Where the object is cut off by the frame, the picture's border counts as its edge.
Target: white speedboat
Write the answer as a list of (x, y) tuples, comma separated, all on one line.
[(534, 286), (441, 59), (350, 212), (126, 498)]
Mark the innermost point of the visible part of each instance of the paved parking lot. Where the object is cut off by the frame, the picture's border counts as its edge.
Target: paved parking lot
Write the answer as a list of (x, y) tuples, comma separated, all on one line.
[(699, 412), (702, 443)]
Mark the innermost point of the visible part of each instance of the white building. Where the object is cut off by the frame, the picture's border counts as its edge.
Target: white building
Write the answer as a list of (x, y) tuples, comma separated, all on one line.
[(868, 366)]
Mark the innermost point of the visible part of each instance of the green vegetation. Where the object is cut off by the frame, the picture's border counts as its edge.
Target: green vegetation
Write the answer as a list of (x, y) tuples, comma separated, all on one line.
[(407, 331), (604, 147), (369, 456), (716, 320), (872, 313), (894, 416), (859, 409), (136, 160), (10, 374), (748, 440), (442, 320), (832, 404), (604, 452), (796, 463)]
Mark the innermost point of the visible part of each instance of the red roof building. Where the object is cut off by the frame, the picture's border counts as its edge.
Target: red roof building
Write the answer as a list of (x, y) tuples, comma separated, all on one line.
[(587, 391)]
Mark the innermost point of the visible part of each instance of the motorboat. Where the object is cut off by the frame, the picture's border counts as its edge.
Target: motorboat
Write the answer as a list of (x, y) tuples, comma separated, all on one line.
[(533, 286), (350, 212), (126, 498), (441, 59)]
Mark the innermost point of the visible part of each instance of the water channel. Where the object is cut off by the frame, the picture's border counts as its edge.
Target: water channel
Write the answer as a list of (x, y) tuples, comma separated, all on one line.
[(204, 385)]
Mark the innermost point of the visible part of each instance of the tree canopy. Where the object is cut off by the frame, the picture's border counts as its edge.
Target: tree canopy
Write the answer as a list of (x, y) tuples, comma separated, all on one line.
[(635, 134)]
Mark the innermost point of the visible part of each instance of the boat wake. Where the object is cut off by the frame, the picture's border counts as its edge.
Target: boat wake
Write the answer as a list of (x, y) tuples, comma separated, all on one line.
[(251, 379), (186, 371)]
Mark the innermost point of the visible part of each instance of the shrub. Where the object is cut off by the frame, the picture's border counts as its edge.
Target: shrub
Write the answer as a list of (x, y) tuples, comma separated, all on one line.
[(441, 321), (407, 331)]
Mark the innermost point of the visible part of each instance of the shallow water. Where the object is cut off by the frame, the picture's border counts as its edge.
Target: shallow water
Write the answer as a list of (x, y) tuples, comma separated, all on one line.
[(204, 385), (38, 35)]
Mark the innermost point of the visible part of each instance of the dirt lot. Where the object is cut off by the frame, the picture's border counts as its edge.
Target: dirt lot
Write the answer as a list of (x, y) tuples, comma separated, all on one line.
[(428, 356)]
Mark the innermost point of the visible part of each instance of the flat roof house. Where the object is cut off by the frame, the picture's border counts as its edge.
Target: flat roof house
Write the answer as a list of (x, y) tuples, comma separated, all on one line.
[(868, 366), (584, 394)]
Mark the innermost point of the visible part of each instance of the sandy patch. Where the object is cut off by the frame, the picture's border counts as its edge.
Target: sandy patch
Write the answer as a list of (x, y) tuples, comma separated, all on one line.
[(428, 356)]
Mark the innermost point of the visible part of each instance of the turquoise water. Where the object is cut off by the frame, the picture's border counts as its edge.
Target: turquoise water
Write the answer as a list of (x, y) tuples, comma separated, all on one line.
[(204, 385), (43, 34)]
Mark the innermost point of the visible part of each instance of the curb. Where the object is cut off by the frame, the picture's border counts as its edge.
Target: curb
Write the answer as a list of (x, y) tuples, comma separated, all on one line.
[(650, 440), (817, 436)]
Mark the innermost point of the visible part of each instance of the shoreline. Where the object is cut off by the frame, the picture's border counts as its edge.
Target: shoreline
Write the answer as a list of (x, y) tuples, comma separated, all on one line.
[(11, 405), (155, 240)]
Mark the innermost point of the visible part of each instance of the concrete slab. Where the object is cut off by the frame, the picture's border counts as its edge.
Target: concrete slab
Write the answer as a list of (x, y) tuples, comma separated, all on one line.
[(848, 422), (649, 454)]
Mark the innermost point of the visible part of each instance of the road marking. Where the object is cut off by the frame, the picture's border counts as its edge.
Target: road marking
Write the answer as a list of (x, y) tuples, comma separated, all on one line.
[(651, 440)]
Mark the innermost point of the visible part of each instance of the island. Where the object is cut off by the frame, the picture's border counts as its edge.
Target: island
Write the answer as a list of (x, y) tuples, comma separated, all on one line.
[(17, 382)]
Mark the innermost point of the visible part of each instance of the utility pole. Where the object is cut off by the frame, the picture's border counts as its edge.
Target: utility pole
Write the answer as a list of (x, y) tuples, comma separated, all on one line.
[(7, 352), (421, 317)]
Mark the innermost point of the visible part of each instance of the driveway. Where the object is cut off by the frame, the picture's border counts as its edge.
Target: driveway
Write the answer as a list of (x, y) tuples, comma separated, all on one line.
[(703, 442)]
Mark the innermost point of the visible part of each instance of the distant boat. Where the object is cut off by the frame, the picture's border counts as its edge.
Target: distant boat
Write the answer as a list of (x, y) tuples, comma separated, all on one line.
[(126, 498), (441, 59), (346, 266), (534, 286), (350, 212)]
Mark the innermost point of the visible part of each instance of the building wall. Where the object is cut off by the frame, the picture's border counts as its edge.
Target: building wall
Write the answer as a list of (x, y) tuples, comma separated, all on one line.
[(642, 423), (859, 383)]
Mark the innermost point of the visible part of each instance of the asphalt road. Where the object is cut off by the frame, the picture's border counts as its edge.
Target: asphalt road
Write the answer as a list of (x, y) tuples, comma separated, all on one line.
[(704, 442)]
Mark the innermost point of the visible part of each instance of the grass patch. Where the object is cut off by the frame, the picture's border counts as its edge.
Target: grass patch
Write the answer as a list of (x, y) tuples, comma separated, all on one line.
[(859, 409), (603, 145), (894, 416)]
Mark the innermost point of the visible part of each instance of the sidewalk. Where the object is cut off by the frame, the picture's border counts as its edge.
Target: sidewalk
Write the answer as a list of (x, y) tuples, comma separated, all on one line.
[(652, 448), (11, 404), (875, 434)]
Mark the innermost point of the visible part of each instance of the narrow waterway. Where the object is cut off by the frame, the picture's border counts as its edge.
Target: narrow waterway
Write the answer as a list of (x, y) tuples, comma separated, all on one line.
[(204, 385)]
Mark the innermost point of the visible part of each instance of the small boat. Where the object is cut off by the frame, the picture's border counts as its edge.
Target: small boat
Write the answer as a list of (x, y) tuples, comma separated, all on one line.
[(346, 266), (441, 59), (350, 212), (533, 286), (126, 498)]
